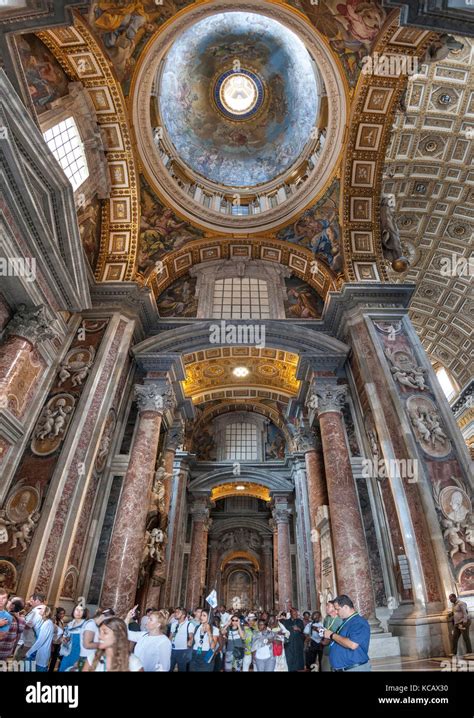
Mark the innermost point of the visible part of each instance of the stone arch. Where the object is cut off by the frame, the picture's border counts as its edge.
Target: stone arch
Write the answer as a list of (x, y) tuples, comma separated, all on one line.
[(230, 555), (372, 114)]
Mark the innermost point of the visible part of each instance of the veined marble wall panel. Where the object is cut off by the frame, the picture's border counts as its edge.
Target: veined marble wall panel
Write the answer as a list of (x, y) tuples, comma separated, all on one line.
[(437, 444), (36, 468)]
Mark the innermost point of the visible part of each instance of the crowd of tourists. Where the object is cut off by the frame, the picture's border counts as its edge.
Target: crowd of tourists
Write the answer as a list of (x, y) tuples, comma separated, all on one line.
[(202, 640)]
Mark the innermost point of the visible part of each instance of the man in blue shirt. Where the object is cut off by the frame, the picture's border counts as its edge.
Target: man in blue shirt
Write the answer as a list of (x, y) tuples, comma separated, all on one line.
[(349, 647)]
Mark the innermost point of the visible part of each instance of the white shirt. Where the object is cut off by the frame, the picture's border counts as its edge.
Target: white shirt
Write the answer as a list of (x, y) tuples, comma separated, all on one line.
[(154, 652), (133, 664), (314, 633), (224, 618), (33, 622), (42, 645), (89, 653), (179, 641), (205, 639)]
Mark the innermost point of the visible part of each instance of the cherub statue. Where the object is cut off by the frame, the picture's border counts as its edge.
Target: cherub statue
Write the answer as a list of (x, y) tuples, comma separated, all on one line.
[(23, 532), (452, 533), (419, 424), (436, 432), (47, 424), (4, 522)]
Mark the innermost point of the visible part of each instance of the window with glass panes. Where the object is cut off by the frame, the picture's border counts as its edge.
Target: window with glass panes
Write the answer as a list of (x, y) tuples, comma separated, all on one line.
[(65, 143), (241, 442), (241, 298)]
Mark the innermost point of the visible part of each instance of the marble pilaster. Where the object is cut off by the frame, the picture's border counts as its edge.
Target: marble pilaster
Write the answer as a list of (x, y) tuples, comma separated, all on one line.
[(268, 574), (281, 517), (200, 514)]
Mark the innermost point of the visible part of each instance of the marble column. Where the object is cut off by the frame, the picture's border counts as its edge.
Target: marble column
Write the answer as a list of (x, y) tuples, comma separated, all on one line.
[(350, 550), (27, 328), (174, 441), (281, 516), (213, 559), (317, 497), (273, 527), (126, 546), (268, 574), (200, 514)]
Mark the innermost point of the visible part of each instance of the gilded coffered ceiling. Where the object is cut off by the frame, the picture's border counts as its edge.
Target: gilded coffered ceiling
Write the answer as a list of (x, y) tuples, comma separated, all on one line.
[(429, 170), (234, 372)]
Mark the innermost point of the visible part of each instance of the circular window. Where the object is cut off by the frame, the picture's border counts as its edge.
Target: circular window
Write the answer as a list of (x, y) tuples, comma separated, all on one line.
[(238, 94)]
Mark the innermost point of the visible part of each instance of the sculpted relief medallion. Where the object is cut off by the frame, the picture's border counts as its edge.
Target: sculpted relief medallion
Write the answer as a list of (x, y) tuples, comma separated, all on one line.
[(428, 426), (52, 424)]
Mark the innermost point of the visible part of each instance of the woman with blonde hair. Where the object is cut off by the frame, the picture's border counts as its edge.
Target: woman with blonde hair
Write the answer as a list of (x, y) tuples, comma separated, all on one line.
[(112, 655), (153, 647)]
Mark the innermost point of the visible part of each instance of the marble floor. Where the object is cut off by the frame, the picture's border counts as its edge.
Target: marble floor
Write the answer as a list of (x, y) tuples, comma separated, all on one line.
[(442, 663)]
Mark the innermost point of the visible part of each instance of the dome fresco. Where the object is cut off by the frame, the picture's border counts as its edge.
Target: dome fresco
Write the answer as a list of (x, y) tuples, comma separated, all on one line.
[(251, 147)]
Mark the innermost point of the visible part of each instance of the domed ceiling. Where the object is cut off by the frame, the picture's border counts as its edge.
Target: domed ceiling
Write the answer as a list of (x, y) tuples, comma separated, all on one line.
[(238, 97)]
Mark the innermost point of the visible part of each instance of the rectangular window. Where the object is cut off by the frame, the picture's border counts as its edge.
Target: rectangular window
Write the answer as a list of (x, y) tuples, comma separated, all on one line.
[(241, 442), (241, 298), (65, 143)]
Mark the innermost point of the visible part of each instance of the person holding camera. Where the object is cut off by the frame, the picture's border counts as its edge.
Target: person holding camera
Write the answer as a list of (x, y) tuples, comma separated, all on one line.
[(349, 644), (314, 632), (262, 648)]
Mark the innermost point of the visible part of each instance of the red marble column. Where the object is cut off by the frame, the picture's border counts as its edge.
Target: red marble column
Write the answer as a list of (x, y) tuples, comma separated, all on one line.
[(275, 562), (281, 518), (126, 546), (317, 496), (200, 514), (350, 550), (23, 333)]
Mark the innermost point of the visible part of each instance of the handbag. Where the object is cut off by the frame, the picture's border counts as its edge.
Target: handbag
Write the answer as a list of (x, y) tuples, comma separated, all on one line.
[(238, 653), (277, 648)]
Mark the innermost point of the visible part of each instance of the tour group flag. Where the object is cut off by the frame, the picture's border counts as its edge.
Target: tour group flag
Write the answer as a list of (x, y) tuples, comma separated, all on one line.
[(212, 599)]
